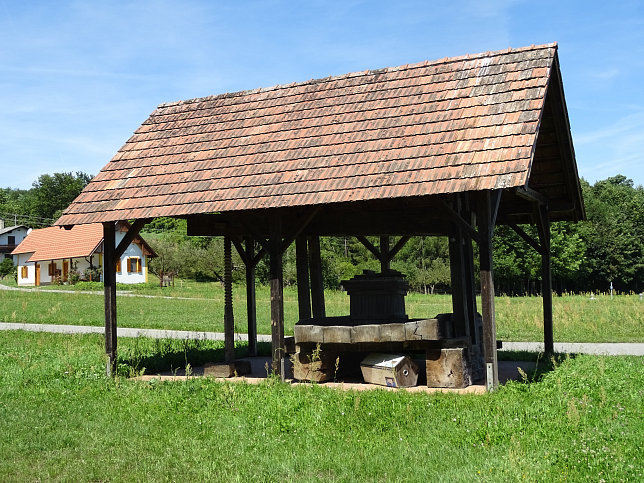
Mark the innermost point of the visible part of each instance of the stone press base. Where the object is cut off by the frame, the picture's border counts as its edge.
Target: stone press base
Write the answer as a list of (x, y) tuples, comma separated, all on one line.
[(334, 347)]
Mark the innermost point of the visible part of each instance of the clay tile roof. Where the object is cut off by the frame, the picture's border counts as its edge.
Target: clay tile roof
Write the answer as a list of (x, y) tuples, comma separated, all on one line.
[(55, 243), (456, 124)]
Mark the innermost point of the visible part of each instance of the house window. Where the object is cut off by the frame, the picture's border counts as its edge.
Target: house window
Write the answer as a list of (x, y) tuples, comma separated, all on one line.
[(10, 257), (134, 264), (118, 265), (52, 269), (23, 272), (11, 240)]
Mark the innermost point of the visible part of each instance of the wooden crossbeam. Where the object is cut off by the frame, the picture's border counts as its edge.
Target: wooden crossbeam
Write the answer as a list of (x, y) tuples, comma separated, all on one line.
[(369, 246), (458, 219), (131, 234), (528, 239)]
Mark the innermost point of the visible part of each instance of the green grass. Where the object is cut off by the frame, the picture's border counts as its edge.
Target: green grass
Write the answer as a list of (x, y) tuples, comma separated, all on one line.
[(62, 420), (199, 306)]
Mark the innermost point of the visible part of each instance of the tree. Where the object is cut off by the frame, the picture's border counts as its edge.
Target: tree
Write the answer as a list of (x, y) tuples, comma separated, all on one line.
[(53, 193), (6, 267)]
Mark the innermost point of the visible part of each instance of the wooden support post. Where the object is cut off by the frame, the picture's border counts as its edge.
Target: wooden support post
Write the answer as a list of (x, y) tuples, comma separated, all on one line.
[(303, 286), (486, 227), (317, 282), (457, 275), (468, 269), (385, 261), (109, 283), (251, 300), (229, 322), (277, 295), (546, 278)]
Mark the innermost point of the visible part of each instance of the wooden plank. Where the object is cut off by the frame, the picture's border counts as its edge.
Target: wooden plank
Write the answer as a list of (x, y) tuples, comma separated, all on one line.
[(277, 296), (229, 322), (109, 283), (303, 285), (317, 282), (251, 301), (484, 219)]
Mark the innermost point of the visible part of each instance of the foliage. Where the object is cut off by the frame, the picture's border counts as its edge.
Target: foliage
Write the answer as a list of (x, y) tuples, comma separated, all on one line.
[(43, 203), (586, 256), (62, 420), (7, 267)]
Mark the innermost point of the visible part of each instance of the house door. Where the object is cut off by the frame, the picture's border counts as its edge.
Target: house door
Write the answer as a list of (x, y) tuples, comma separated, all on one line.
[(65, 270), (37, 275)]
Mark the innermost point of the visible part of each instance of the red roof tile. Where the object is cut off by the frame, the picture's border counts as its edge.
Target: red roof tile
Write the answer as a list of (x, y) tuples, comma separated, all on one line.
[(459, 124)]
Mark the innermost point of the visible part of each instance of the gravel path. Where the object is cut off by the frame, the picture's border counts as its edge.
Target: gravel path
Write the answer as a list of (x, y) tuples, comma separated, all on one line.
[(613, 349)]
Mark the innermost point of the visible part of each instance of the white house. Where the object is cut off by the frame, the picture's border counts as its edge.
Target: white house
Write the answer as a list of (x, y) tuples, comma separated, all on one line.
[(54, 254), (10, 238)]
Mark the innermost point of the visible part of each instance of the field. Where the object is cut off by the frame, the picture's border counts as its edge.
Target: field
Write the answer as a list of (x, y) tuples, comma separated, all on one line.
[(62, 420), (199, 306)]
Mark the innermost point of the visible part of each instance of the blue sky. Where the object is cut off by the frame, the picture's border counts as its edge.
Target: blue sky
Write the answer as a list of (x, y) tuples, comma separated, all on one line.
[(78, 77)]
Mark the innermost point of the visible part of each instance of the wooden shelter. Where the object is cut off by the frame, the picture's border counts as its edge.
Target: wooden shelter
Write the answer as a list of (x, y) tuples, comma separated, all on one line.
[(449, 147)]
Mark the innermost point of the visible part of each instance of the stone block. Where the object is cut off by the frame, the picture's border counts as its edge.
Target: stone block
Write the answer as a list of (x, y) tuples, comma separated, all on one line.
[(425, 329), (314, 366), (448, 368), (336, 334), (365, 333), (227, 369), (307, 333), (392, 332)]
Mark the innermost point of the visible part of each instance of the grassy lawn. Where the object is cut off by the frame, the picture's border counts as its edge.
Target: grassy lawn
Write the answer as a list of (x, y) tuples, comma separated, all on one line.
[(199, 306), (61, 419)]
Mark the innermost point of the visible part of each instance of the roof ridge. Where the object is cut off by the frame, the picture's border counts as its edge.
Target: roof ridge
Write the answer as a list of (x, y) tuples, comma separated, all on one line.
[(424, 63)]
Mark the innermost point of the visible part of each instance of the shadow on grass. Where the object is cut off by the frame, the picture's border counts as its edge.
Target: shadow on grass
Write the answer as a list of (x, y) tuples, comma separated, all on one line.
[(153, 356), (542, 364)]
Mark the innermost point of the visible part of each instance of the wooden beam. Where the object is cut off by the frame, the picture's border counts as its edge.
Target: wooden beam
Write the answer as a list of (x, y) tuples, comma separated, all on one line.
[(546, 279), (251, 300), (258, 236), (369, 246), (317, 282), (277, 295), (486, 228), (109, 283), (303, 285), (457, 218), (130, 235), (247, 258), (229, 322), (531, 195), (468, 269), (528, 239), (398, 246), (301, 224), (385, 261)]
